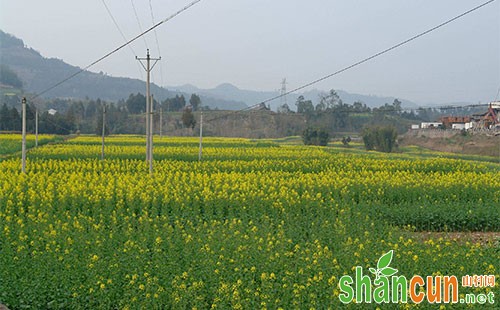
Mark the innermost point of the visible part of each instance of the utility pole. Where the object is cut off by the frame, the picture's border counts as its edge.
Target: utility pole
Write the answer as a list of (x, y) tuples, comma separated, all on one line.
[(148, 67), (36, 127), (103, 129), (161, 121), (151, 123), (151, 132), (201, 136), (23, 156)]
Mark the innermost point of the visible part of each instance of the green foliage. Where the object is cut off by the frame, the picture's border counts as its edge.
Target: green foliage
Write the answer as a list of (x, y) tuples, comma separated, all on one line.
[(304, 106), (11, 143), (8, 40), (177, 103), (136, 104), (55, 124), (10, 119), (188, 119), (448, 216), (382, 139), (253, 224), (346, 140), (335, 115), (284, 109), (329, 101), (315, 136), (195, 102), (9, 77)]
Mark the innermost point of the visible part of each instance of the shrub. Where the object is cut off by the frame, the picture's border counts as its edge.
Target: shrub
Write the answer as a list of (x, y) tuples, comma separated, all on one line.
[(346, 140), (382, 139), (315, 136)]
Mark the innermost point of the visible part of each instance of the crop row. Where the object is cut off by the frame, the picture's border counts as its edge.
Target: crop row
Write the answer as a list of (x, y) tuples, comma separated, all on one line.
[(250, 226)]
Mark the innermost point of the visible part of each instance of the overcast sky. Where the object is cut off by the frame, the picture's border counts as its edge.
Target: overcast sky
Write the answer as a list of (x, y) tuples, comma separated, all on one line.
[(254, 44)]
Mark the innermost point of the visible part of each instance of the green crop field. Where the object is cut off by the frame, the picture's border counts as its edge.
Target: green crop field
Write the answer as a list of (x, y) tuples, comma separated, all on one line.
[(12, 143), (255, 225)]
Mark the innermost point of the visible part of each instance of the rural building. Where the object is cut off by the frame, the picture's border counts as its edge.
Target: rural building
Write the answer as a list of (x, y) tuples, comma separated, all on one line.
[(458, 126), (455, 122), (431, 125), (490, 119), (470, 125)]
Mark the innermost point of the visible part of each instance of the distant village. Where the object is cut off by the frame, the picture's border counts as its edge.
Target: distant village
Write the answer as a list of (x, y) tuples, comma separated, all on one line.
[(489, 120)]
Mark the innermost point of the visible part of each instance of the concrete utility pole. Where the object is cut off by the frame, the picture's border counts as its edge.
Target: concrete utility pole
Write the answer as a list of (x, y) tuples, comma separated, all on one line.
[(149, 135), (23, 156), (201, 136), (161, 121), (151, 132), (103, 129), (36, 127)]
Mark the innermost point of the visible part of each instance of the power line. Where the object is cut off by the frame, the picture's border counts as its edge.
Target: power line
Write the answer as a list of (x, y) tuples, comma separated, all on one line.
[(364, 60), (138, 22), (30, 121), (234, 112), (121, 32), (374, 110), (451, 107), (157, 42), (383, 52), (185, 8), (117, 26)]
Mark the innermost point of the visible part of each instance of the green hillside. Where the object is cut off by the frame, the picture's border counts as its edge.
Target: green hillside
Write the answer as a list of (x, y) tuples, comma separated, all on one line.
[(38, 73)]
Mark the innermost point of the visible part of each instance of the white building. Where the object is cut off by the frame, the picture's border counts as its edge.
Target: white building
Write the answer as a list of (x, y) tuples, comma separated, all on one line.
[(470, 125), (429, 125), (458, 126)]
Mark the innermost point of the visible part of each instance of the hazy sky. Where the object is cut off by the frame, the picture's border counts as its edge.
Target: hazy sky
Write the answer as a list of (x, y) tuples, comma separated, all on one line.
[(254, 44)]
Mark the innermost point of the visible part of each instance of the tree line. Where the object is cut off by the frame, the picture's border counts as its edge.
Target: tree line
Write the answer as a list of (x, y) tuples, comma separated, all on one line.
[(126, 116), (85, 116), (334, 115)]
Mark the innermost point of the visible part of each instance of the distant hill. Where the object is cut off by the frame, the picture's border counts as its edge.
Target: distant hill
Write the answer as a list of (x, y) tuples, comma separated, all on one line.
[(38, 73), (370, 100), (228, 91)]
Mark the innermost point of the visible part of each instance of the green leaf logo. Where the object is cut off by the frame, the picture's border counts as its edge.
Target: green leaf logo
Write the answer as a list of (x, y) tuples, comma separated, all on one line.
[(383, 269)]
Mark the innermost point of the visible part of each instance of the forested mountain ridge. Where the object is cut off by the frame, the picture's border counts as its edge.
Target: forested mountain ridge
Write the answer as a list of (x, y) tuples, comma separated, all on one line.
[(38, 73)]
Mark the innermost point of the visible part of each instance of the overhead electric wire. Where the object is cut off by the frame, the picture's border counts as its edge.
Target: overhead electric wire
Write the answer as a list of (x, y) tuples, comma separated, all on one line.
[(121, 32), (153, 20), (138, 22), (185, 8), (364, 60), (450, 107), (117, 26), (380, 109), (157, 42)]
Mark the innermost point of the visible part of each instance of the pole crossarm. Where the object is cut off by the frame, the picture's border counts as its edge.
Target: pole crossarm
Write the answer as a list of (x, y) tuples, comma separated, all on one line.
[(149, 107)]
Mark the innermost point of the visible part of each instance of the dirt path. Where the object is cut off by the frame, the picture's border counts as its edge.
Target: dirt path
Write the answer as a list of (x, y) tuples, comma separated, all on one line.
[(483, 238), (478, 144)]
